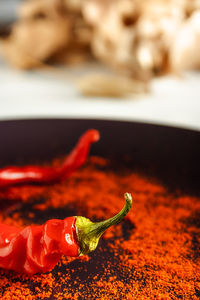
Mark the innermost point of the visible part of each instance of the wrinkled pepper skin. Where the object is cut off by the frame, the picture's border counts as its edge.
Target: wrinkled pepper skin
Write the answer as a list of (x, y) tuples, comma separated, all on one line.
[(37, 249), (45, 175)]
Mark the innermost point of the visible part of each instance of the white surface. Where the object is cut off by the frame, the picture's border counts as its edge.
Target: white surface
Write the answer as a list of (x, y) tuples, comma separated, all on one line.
[(44, 94)]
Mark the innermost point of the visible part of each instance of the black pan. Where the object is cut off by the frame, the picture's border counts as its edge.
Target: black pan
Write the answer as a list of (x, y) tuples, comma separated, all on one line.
[(172, 154), (167, 153)]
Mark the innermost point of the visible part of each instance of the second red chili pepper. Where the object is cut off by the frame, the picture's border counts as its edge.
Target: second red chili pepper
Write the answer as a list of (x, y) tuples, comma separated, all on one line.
[(37, 249), (36, 174)]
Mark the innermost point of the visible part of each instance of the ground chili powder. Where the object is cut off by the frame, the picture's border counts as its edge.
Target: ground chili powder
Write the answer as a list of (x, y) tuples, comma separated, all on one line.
[(153, 254)]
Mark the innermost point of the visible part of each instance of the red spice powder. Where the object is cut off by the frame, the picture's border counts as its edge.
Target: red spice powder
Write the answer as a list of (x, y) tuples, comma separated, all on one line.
[(153, 254)]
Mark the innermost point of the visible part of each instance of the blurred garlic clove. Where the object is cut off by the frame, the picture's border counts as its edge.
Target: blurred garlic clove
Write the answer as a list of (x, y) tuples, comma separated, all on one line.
[(151, 56), (102, 85), (31, 43), (94, 11), (147, 28), (145, 57), (185, 49)]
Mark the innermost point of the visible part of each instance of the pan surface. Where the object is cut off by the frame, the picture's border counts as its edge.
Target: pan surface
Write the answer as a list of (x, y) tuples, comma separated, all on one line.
[(166, 154)]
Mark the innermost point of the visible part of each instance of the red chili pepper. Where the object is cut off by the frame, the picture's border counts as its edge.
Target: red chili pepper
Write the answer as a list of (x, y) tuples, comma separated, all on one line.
[(37, 249), (35, 174)]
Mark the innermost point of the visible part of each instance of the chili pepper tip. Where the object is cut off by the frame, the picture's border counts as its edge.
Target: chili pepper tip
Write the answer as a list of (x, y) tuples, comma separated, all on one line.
[(95, 135)]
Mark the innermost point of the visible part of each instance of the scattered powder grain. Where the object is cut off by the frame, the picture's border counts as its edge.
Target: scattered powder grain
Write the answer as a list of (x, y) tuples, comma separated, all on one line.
[(153, 254)]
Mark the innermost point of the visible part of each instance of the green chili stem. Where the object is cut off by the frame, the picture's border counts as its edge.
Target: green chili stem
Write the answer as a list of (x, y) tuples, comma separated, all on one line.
[(99, 228), (89, 233)]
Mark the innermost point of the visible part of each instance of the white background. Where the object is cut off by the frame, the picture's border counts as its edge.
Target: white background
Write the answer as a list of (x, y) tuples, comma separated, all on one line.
[(43, 94)]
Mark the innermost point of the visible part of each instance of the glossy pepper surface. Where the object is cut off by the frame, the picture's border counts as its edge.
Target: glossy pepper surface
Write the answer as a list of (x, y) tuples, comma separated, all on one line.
[(38, 248), (43, 175)]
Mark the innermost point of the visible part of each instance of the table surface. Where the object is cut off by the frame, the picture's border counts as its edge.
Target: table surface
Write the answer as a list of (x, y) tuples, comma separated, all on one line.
[(172, 100)]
